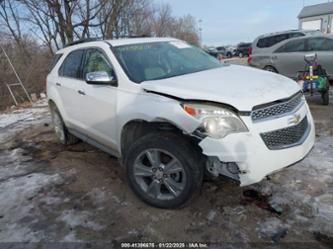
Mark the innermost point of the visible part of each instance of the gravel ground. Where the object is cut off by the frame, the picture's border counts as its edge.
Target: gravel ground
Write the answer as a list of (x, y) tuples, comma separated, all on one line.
[(52, 193)]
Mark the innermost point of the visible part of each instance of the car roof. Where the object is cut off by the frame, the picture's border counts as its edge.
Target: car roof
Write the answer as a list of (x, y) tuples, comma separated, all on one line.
[(115, 43), (287, 32), (244, 44)]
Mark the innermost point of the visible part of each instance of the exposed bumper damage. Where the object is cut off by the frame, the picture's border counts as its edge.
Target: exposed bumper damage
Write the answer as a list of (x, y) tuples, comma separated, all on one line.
[(245, 157)]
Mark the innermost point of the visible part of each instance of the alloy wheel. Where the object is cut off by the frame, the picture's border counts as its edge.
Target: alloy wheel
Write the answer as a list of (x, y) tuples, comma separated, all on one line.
[(159, 174)]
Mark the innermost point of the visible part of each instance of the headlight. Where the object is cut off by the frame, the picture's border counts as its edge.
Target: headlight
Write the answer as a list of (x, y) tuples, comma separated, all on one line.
[(217, 122)]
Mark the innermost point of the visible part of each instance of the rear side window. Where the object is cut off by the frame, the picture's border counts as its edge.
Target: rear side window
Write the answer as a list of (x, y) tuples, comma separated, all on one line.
[(72, 64), (272, 40), (54, 61), (294, 35), (320, 44), (292, 46)]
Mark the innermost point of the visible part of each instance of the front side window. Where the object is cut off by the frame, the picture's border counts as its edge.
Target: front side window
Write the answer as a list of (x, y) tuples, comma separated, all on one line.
[(160, 60), (292, 46), (96, 62), (71, 66), (320, 44)]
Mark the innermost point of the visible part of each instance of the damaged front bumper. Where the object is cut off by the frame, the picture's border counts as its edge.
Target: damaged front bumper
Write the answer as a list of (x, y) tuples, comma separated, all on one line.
[(252, 155)]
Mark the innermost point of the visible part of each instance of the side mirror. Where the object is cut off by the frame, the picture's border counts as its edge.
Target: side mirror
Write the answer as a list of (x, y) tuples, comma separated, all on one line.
[(310, 58), (100, 78)]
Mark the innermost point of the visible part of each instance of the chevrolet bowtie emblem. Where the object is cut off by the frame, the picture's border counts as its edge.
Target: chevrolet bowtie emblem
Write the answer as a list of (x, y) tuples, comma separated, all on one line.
[(295, 119)]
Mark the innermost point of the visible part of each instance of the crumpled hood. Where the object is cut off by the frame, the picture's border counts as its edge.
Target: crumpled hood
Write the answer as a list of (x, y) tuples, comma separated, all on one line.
[(239, 86)]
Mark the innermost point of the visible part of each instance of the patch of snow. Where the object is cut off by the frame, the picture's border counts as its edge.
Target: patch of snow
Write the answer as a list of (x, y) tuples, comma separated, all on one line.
[(14, 122), (98, 196), (211, 215), (26, 114), (71, 237), (16, 195), (12, 163), (271, 227), (75, 218), (307, 188)]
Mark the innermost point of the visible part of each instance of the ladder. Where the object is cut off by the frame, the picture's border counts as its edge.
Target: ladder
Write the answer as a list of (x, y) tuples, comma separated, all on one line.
[(15, 84)]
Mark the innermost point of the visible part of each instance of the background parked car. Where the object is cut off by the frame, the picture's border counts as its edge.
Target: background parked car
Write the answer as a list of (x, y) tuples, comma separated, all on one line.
[(216, 52), (287, 57), (266, 41), (243, 49)]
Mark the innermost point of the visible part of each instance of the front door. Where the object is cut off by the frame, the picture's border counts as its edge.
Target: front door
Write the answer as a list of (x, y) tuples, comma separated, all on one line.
[(98, 102)]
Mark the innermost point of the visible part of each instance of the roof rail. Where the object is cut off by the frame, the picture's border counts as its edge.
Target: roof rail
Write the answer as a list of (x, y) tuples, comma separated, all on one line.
[(132, 36), (82, 41)]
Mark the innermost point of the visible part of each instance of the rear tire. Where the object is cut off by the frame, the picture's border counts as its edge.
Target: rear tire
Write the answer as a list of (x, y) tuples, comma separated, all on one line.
[(325, 97), (172, 177), (270, 69), (60, 129)]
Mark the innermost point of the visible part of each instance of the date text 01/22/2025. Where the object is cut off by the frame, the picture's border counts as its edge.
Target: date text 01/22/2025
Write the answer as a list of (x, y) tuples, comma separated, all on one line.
[(164, 245)]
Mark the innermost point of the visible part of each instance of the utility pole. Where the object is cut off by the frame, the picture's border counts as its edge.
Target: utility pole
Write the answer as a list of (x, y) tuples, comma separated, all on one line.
[(200, 30)]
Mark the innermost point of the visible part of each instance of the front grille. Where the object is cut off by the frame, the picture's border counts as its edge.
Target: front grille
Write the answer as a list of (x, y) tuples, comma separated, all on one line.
[(286, 137), (277, 109)]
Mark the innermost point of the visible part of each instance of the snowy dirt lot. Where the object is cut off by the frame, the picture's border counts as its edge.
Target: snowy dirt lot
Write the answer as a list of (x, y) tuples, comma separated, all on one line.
[(52, 193)]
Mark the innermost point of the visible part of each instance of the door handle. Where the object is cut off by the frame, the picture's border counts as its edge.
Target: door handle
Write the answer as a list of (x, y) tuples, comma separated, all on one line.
[(58, 84), (81, 92)]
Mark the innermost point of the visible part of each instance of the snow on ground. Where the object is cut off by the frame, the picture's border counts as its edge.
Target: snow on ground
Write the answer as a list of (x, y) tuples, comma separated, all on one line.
[(307, 189), (16, 195), (17, 120), (31, 199), (25, 191), (24, 114)]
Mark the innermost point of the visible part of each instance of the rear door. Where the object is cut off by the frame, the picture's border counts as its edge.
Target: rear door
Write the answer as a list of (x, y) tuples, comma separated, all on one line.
[(67, 83), (289, 58), (324, 48)]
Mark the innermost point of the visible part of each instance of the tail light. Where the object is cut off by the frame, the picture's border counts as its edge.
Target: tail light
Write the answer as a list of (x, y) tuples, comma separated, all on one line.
[(249, 59)]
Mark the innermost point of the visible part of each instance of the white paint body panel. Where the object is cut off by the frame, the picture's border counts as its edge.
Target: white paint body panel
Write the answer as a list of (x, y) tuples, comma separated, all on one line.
[(251, 154), (239, 86), (105, 110)]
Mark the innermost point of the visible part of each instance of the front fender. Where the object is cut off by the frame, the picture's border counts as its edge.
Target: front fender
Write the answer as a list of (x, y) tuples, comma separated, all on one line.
[(151, 107)]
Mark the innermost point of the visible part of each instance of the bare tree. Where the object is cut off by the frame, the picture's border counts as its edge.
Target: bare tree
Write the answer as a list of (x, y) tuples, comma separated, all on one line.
[(10, 18), (185, 28), (59, 22), (163, 21)]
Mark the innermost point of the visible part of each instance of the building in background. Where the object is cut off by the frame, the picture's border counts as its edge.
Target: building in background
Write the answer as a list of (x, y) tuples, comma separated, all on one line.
[(317, 17)]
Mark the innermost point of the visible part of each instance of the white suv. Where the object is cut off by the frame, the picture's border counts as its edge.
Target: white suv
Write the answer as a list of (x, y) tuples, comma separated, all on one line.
[(171, 112)]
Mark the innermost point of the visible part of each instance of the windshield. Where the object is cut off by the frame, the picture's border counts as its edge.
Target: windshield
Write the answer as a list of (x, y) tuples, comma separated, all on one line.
[(160, 60)]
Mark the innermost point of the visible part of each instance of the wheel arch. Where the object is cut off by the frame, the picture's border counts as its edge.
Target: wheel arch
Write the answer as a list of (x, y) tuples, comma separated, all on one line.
[(270, 66), (137, 128)]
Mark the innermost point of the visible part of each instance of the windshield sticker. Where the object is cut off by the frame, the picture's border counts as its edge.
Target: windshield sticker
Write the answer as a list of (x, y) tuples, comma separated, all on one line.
[(179, 44)]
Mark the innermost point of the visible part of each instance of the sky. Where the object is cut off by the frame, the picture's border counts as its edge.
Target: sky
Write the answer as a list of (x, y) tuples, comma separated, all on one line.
[(233, 21)]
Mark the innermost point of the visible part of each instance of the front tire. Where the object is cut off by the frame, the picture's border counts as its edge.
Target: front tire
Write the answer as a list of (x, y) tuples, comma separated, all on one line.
[(164, 169)]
